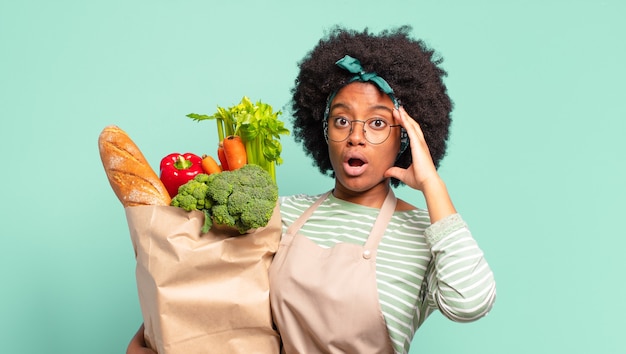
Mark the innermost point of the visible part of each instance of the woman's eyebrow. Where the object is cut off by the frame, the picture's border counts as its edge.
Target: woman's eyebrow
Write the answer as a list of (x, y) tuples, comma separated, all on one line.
[(339, 105)]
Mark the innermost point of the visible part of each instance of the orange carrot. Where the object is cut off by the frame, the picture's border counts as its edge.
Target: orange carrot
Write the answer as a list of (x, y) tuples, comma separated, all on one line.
[(222, 157), (209, 165), (235, 152)]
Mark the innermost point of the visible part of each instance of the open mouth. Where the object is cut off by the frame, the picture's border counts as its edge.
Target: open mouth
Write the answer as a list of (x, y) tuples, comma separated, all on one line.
[(356, 162), (355, 166)]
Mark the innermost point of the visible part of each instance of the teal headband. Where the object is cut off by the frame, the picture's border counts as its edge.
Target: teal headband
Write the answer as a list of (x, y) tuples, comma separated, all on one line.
[(353, 66)]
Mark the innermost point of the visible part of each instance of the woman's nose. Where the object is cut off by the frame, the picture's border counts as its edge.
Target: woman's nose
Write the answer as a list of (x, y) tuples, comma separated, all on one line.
[(357, 133)]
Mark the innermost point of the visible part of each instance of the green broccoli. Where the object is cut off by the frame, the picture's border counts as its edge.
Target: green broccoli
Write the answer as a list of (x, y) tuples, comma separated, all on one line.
[(244, 198)]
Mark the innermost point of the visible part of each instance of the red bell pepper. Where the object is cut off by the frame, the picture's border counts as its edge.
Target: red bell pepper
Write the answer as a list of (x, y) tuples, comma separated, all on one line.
[(177, 169)]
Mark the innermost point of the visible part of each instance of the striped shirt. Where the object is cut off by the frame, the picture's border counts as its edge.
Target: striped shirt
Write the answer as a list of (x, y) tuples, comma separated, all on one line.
[(419, 267)]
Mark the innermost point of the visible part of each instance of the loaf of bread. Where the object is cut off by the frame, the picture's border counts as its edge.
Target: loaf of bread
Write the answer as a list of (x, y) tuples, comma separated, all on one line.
[(132, 179)]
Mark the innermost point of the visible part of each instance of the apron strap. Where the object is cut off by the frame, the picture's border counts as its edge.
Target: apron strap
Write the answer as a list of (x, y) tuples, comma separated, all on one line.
[(382, 220), (380, 226), (295, 227)]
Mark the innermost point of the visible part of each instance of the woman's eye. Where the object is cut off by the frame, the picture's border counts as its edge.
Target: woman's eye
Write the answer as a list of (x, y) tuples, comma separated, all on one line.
[(341, 122), (377, 123)]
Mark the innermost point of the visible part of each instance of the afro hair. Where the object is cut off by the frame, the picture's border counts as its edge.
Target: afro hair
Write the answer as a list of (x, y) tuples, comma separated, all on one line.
[(408, 65)]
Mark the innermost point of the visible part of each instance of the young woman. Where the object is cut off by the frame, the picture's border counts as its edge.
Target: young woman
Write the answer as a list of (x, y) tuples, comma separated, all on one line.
[(358, 271)]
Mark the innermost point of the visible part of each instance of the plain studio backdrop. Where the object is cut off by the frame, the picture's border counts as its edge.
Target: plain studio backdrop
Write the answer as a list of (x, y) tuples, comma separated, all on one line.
[(535, 162)]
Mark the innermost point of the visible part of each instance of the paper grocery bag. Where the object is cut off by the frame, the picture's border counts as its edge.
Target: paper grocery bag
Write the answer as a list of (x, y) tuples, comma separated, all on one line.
[(203, 293)]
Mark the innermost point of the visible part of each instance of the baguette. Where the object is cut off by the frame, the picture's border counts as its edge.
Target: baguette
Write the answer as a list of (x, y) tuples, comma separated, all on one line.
[(129, 173)]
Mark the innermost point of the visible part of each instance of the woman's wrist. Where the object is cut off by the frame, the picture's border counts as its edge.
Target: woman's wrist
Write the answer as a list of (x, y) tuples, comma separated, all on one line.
[(438, 200)]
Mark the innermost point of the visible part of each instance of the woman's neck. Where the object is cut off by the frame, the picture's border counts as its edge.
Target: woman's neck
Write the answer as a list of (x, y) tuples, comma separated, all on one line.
[(373, 197)]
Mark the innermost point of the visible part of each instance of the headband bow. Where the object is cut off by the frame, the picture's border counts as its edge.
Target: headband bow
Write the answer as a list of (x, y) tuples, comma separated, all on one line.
[(353, 66)]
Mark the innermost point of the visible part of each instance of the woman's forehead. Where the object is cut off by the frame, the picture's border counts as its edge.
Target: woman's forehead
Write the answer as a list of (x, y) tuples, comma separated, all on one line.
[(362, 95)]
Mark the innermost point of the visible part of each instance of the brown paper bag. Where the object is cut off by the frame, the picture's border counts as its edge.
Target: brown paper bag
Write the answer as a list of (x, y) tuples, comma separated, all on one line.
[(203, 293)]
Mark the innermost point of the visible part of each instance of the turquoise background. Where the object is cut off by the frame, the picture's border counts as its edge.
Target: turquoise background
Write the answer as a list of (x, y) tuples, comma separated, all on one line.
[(535, 164)]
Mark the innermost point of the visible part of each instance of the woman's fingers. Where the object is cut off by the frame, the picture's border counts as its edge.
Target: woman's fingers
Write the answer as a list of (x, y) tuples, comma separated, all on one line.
[(422, 166), (414, 131), (410, 125)]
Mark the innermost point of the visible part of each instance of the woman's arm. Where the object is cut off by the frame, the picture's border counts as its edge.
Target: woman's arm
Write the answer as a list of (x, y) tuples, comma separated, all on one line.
[(460, 284), (137, 344)]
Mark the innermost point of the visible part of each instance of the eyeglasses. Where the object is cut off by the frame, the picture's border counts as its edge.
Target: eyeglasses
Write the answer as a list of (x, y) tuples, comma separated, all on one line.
[(375, 130)]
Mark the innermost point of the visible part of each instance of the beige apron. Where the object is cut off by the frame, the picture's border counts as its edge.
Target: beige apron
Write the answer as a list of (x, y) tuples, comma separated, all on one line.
[(325, 300)]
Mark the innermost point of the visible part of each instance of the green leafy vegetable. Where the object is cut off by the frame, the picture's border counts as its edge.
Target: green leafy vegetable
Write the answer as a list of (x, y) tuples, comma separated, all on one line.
[(244, 198), (257, 125)]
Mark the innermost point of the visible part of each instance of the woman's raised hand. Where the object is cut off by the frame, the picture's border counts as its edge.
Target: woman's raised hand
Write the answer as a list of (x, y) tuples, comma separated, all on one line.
[(422, 174), (422, 170)]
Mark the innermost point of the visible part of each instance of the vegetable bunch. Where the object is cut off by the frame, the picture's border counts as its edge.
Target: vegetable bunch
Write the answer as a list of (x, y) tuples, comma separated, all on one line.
[(258, 127), (243, 198)]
